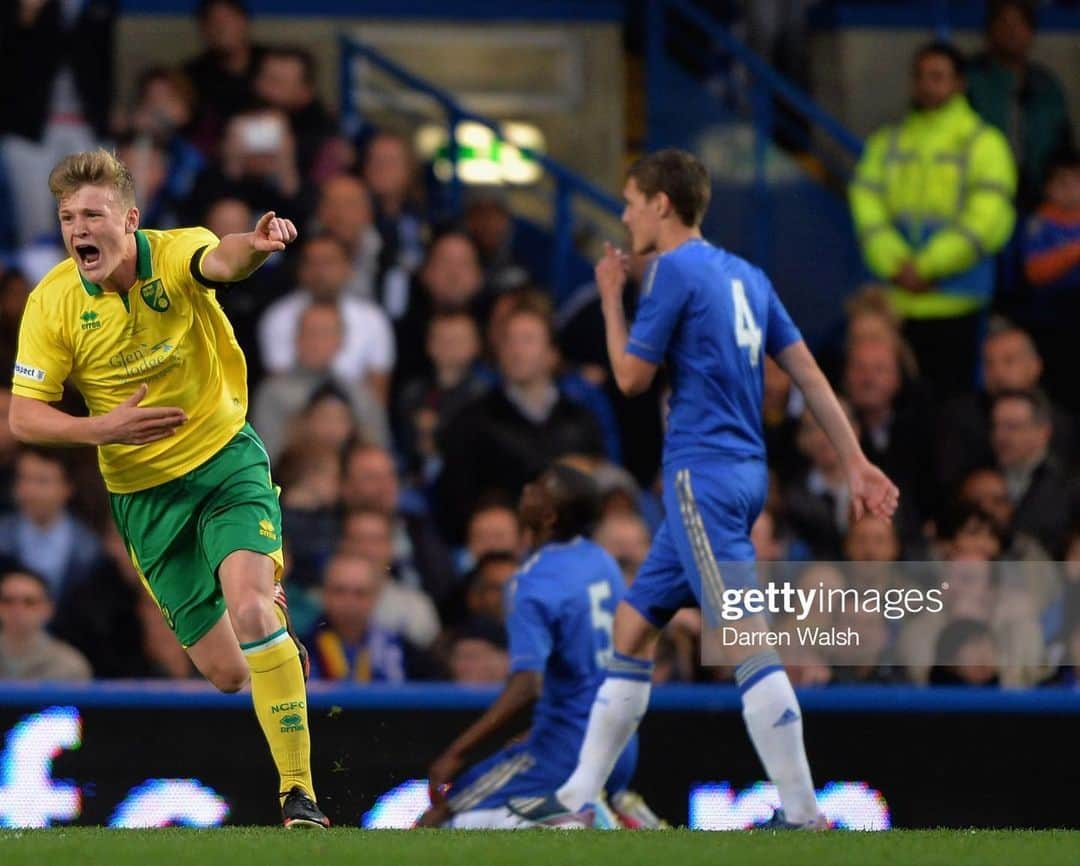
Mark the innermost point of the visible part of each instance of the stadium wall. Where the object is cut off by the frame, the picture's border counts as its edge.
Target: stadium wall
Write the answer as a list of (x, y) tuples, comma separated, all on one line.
[(128, 755)]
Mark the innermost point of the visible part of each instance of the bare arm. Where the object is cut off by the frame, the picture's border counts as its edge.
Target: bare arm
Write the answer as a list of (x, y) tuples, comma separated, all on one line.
[(40, 423), (520, 691), (871, 490), (238, 256), (632, 374)]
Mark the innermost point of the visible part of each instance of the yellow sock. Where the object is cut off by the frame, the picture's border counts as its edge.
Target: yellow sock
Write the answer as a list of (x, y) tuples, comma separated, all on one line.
[(280, 699)]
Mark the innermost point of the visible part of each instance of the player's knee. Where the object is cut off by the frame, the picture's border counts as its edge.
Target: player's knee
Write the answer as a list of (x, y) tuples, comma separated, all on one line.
[(229, 679), (253, 617)]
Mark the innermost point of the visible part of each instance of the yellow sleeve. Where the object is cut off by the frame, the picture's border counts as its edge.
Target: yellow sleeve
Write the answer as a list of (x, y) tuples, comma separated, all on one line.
[(44, 359), (883, 248), (186, 249)]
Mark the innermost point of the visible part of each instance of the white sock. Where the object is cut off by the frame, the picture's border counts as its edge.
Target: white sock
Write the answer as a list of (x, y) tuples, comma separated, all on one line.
[(774, 722), (616, 712)]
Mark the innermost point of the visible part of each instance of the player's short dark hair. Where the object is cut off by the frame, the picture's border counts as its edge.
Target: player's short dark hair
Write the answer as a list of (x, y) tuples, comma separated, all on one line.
[(308, 65), (941, 48), (202, 11), (577, 502), (1041, 410), (995, 8), (680, 176)]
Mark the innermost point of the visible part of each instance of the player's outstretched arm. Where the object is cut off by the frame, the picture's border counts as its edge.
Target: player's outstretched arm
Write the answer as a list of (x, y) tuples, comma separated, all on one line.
[(239, 255), (521, 691), (871, 490), (129, 423)]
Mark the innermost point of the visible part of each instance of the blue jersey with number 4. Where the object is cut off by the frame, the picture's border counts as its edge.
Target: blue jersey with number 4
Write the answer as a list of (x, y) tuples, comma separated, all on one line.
[(560, 609), (710, 315)]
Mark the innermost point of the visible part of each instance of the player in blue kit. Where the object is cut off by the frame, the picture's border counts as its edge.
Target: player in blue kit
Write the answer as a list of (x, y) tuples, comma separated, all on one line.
[(560, 609), (711, 317)]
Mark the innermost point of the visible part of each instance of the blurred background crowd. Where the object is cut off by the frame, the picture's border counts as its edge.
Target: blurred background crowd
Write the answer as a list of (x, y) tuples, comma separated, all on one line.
[(409, 372)]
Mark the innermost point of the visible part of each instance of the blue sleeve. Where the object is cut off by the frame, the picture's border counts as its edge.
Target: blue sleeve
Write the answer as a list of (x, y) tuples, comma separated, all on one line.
[(1042, 235), (781, 331), (528, 624), (663, 296)]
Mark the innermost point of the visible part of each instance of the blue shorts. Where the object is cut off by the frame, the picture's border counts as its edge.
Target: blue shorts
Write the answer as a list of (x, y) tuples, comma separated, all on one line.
[(515, 771), (703, 546)]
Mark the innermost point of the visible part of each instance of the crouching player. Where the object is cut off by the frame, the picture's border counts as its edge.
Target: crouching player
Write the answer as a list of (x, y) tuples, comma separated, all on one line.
[(560, 609)]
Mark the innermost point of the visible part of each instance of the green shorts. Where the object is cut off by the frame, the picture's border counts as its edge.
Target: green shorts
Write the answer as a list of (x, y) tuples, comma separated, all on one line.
[(178, 533)]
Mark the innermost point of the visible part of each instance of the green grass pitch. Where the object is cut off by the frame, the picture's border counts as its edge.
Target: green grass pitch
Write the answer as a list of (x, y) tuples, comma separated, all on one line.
[(262, 846)]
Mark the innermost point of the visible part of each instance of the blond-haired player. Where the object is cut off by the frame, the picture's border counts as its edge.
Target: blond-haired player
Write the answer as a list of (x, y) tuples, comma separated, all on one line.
[(131, 321)]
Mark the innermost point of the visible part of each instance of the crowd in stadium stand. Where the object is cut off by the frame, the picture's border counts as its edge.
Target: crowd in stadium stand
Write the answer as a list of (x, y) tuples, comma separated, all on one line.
[(408, 375)]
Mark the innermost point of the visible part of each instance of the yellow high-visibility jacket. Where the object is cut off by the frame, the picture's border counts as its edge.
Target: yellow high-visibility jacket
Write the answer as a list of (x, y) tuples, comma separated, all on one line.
[(937, 189)]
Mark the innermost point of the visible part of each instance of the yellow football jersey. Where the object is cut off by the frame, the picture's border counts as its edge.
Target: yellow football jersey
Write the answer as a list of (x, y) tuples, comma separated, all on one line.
[(168, 331)]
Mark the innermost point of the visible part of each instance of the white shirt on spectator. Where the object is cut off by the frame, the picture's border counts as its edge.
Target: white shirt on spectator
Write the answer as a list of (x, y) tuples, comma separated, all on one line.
[(367, 346)]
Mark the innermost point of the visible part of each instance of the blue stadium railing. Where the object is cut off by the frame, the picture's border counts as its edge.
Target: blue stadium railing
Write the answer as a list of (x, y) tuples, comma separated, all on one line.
[(448, 696), (568, 183), (766, 86)]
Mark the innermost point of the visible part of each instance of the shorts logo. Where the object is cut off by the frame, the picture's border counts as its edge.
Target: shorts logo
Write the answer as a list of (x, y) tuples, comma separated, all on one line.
[(266, 529), (30, 372), (292, 724), (90, 321), (155, 297)]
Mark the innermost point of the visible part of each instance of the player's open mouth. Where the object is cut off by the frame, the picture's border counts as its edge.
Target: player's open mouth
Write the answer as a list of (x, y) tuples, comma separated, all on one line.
[(88, 254)]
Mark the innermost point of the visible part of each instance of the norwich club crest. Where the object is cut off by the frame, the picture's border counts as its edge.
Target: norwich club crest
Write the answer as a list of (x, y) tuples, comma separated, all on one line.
[(155, 297)]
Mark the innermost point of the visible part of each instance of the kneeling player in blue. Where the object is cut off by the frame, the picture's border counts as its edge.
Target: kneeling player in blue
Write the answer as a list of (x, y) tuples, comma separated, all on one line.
[(560, 609), (711, 317)]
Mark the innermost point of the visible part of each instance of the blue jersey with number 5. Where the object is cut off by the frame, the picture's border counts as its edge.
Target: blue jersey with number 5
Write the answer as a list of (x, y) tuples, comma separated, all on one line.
[(560, 609), (710, 315)]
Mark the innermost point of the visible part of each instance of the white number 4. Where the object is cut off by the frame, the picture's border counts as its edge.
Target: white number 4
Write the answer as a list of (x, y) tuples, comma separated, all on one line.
[(747, 332)]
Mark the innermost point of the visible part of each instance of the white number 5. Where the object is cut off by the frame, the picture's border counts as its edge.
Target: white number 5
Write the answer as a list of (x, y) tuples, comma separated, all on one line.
[(747, 332), (602, 621)]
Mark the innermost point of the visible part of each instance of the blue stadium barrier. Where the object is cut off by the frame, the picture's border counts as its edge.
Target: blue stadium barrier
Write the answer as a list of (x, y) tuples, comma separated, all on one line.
[(154, 694)]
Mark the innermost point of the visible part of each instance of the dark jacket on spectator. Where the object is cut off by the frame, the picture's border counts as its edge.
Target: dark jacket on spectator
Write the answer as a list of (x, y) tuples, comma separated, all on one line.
[(491, 446), (1045, 509), (31, 57)]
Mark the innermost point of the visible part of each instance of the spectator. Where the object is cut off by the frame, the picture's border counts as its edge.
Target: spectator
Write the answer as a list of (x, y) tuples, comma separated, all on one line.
[(41, 534), (257, 165), (319, 339), (285, 80), (27, 651), (222, 74), (1021, 98), (310, 479), (366, 532), (508, 436), (627, 538), (477, 654), (871, 539), (817, 505), (1038, 489), (426, 403), (1052, 267), (350, 646), (149, 166), (486, 583), (491, 227), (780, 419), (418, 557), (56, 62), (965, 655), (937, 250), (450, 279), (8, 450), (896, 434), (163, 113), (345, 211), (984, 488), (493, 527), (390, 174), (367, 348), (1068, 673), (1010, 362)]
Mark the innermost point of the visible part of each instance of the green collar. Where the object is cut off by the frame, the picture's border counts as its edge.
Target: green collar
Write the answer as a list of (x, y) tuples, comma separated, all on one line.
[(143, 265)]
